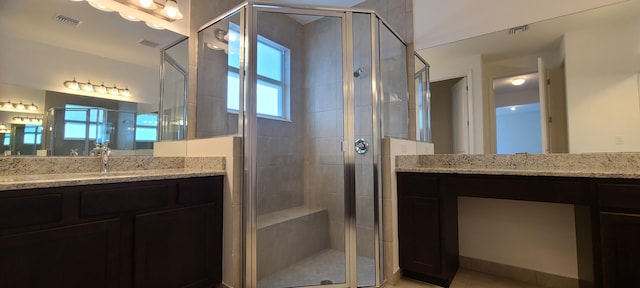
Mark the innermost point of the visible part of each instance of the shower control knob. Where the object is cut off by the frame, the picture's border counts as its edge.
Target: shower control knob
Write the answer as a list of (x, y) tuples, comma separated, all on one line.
[(361, 146)]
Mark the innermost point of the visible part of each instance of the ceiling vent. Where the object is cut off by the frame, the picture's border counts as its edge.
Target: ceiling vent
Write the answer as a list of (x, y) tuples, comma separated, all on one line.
[(68, 20), (518, 29), (148, 43)]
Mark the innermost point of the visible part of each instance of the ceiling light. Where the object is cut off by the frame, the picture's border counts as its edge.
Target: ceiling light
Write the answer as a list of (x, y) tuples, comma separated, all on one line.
[(513, 108), (171, 10), (517, 81)]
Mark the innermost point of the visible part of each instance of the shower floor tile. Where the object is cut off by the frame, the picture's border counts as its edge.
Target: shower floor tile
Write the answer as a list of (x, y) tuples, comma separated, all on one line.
[(325, 265)]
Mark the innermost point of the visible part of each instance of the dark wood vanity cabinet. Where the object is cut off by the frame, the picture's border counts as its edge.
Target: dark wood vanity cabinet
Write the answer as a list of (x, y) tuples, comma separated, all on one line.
[(620, 233), (163, 233), (428, 247)]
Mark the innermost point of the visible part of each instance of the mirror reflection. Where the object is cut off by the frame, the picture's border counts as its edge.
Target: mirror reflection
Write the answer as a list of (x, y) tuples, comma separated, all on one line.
[(80, 45), (582, 70)]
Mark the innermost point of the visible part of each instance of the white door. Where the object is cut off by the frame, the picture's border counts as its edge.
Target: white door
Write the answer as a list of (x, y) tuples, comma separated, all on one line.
[(460, 114), (544, 106)]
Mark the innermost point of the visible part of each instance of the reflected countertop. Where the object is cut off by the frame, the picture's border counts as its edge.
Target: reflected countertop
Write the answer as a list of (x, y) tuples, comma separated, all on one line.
[(35, 172), (587, 165)]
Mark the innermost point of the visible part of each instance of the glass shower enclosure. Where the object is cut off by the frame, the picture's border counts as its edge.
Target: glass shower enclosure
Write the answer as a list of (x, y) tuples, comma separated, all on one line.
[(311, 91)]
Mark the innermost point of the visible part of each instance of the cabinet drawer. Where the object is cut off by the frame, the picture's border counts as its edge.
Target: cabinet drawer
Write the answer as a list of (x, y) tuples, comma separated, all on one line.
[(199, 191), (117, 200), (622, 196), (520, 188), (417, 185), (31, 210)]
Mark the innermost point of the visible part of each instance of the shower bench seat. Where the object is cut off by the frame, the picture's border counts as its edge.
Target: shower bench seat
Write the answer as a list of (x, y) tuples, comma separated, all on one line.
[(290, 235)]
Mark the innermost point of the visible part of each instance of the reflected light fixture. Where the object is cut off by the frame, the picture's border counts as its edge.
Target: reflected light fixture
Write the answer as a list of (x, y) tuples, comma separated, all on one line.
[(99, 5), (27, 120), (100, 89), (517, 81), (21, 107)]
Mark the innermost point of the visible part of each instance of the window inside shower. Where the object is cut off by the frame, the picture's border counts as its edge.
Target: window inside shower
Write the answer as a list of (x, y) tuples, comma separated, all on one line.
[(272, 76)]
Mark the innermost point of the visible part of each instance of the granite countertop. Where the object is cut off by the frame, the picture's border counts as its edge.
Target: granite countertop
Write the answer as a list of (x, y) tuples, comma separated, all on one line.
[(588, 165), (36, 172)]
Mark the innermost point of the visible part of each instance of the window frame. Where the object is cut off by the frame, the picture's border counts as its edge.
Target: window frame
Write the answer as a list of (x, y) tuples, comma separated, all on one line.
[(93, 125), (284, 97)]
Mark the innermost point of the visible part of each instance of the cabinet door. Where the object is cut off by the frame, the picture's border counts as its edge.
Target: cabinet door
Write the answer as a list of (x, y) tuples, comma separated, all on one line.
[(81, 256), (620, 249), (419, 235), (178, 248)]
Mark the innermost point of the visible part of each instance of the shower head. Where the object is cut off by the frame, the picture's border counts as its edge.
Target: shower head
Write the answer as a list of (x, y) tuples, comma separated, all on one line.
[(359, 73)]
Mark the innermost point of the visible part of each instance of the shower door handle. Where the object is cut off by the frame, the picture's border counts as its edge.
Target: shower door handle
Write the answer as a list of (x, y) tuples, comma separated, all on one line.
[(361, 146)]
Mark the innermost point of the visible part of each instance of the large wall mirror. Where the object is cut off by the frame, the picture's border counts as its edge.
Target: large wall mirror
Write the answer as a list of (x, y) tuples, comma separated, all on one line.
[(563, 85), (44, 44)]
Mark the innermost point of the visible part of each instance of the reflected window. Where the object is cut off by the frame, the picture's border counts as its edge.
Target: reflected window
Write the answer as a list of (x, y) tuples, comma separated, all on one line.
[(7, 139), (76, 119), (32, 135), (273, 74), (146, 127)]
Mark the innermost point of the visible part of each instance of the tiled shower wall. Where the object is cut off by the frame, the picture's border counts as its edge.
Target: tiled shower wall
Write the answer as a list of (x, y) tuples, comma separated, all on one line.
[(280, 143)]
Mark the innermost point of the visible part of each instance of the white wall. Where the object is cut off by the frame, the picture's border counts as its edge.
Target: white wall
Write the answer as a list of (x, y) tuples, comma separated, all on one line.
[(603, 105), (519, 131), (532, 235), (438, 22), (56, 65), (444, 69)]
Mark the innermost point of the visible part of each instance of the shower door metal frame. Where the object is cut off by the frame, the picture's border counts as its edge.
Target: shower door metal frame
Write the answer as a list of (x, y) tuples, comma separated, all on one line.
[(249, 131), (165, 57)]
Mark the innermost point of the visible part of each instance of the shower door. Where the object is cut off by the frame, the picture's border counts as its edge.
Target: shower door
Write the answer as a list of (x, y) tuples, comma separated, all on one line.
[(309, 179)]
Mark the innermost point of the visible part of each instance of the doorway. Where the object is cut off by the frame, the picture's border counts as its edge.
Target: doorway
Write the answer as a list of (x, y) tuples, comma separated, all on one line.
[(450, 116), (517, 114)]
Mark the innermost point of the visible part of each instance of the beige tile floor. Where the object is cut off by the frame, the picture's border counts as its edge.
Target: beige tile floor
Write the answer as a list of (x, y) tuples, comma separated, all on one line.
[(468, 279)]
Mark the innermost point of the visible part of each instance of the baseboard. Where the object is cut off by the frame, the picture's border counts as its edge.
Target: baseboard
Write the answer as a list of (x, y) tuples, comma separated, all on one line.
[(224, 285), (395, 277), (517, 273)]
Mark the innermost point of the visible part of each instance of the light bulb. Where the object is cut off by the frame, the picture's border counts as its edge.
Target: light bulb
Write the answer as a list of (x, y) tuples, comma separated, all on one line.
[(114, 91), (517, 81), (87, 87), (20, 106), (147, 4), (125, 92), (8, 105), (32, 107), (171, 10), (101, 89), (72, 84)]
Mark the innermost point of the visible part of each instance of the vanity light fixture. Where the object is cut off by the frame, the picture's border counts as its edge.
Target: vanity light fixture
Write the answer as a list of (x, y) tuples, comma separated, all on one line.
[(169, 11), (20, 106), (27, 120), (100, 89), (517, 81)]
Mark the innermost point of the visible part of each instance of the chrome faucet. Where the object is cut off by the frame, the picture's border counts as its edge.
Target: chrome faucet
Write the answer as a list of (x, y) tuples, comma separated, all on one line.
[(105, 152), (96, 150)]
